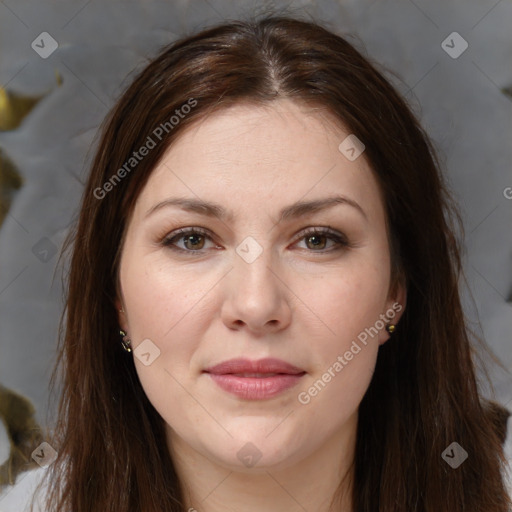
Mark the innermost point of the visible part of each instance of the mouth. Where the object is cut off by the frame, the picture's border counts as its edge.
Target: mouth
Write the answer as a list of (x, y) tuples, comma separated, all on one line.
[(257, 375), (255, 380), (263, 367)]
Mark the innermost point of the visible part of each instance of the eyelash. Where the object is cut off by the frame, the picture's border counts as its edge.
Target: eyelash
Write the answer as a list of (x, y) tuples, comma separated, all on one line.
[(341, 240)]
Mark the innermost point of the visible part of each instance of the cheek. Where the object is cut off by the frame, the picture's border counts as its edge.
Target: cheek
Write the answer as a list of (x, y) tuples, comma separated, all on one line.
[(347, 301), (164, 306), (345, 338), (344, 360), (172, 307), (333, 396), (161, 298)]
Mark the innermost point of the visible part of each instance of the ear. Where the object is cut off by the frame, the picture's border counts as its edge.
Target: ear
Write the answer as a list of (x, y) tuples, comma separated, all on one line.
[(121, 315), (395, 307)]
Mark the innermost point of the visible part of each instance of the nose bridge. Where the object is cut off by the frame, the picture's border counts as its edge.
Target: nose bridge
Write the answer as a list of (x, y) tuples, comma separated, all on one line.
[(254, 261), (257, 296)]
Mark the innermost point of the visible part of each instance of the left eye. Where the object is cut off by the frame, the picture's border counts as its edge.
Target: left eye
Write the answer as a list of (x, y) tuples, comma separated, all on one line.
[(316, 235), (194, 239)]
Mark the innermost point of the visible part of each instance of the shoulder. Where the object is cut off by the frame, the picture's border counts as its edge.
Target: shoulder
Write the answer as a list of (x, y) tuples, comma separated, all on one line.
[(18, 497)]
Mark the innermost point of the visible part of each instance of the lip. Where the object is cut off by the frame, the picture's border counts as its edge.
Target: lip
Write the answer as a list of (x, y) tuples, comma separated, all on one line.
[(273, 376), (267, 365)]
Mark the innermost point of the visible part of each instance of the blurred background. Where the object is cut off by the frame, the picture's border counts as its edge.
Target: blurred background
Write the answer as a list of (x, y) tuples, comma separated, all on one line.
[(64, 63)]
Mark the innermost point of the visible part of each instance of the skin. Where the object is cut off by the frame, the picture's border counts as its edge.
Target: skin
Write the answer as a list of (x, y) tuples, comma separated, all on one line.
[(300, 302)]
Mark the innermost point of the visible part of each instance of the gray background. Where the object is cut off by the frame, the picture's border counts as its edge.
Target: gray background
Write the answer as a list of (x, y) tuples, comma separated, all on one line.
[(459, 100)]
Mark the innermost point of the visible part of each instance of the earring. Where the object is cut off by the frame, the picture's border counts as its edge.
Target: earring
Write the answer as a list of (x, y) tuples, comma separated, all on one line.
[(390, 328), (126, 342)]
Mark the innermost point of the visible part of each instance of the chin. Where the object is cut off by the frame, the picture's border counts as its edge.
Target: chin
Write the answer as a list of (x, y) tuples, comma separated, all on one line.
[(257, 456)]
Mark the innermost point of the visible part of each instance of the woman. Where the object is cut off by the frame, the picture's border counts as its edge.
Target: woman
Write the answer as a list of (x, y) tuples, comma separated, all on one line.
[(263, 308)]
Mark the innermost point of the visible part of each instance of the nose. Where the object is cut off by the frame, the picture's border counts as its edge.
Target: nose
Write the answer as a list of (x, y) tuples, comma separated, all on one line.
[(257, 296)]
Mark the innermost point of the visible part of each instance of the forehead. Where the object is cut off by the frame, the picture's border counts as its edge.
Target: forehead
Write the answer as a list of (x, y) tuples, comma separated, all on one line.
[(281, 130), (253, 157)]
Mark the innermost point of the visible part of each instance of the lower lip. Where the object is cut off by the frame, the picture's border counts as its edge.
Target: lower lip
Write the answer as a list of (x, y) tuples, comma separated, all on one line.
[(256, 388)]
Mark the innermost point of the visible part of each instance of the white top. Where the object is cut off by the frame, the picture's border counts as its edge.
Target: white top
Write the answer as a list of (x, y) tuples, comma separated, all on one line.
[(16, 498)]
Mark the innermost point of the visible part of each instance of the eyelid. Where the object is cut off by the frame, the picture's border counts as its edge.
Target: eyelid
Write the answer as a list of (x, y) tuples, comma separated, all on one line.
[(322, 230), (338, 238), (185, 231)]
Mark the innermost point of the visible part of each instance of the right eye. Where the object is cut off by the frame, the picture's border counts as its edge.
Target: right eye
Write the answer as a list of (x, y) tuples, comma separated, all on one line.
[(195, 237)]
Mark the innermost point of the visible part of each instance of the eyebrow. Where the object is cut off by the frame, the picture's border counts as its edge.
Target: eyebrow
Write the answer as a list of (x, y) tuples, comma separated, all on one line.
[(295, 210)]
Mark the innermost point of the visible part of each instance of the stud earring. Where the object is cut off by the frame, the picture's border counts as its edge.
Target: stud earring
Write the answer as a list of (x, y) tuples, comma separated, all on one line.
[(391, 328), (125, 342)]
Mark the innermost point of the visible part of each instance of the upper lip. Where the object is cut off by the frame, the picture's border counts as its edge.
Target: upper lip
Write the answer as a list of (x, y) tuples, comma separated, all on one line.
[(268, 365)]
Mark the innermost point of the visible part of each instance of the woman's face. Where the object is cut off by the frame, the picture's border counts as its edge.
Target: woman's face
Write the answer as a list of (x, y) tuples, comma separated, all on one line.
[(255, 284)]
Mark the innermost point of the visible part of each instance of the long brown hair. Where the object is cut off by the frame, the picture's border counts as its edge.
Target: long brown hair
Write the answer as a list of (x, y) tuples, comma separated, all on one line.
[(111, 443)]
